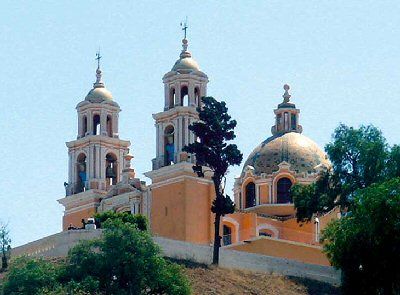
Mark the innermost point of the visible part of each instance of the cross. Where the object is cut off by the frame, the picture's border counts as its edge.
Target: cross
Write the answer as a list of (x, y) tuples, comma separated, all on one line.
[(98, 57), (184, 26)]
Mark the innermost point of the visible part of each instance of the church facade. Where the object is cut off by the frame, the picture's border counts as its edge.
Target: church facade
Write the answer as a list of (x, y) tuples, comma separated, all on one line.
[(177, 202)]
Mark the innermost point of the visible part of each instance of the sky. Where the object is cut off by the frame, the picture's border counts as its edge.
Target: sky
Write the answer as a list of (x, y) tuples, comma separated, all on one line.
[(341, 59)]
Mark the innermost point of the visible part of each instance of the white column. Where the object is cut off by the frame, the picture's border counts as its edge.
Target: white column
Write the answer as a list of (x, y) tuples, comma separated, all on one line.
[(80, 126), (103, 123), (115, 127), (90, 122), (166, 96), (186, 127), (178, 100), (191, 94)]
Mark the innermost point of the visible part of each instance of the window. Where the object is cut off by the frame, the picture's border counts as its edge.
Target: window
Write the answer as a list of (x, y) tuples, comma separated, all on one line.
[(81, 180), (293, 122), (283, 191), (227, 235), (184, 96), (172, 99), (96, 124), (111, 169), (84, 129), (250, 195), (169, 145)]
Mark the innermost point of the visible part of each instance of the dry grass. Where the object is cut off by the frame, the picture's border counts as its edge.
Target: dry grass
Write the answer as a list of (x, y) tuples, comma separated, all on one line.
[(212, 280)]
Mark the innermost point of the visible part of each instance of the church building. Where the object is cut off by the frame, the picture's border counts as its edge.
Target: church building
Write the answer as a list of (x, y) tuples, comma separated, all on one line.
[(177, 202)]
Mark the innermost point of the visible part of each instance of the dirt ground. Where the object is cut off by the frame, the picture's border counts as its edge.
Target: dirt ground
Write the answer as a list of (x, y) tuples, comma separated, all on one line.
[(211, 280)]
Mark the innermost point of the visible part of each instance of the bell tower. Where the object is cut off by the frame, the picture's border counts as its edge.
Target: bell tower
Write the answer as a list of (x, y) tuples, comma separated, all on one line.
[(184, 85), (96, 157), (181, 201)]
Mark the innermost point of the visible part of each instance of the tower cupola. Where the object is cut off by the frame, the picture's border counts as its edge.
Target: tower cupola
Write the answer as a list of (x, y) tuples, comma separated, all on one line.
[(286, 115)]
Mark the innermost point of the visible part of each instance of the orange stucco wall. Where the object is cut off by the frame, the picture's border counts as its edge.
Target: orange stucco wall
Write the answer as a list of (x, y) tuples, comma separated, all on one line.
[(76, 218), (264, 194), (284, 249), (181, 211)]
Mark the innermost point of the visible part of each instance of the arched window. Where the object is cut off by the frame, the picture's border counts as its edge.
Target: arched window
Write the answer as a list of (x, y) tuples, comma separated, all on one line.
[(96, 124), (293, 122), (84, 127), (227, 235), (169, 145), (111, 169), (197, 97), (109, 126), (250, 195), (81, 179), (184, 96), (172, 99), (283, 191)]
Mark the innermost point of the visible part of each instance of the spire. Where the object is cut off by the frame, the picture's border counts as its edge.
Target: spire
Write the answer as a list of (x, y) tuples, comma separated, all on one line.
[(99, 82), (185, 53)]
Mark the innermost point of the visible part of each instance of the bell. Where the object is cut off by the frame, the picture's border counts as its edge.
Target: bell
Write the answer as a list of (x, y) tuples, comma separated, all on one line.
[(110, 172)]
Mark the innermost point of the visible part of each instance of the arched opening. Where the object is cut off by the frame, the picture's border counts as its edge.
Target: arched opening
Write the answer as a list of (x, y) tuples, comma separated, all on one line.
[(184, 96), (197, 97), (283, 191), (96, 124), (293, 122), (172, 98), (250, 195), (226, 235), (109, 126), (111, 169), (81, 180), (169, 146), (84, 127)]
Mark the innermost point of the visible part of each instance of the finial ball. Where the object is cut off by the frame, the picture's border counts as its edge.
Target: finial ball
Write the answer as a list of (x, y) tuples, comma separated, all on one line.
[(184, 41), (286, 87)]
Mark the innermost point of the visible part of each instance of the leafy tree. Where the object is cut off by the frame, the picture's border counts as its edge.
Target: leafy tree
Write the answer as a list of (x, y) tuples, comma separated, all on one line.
[(213, 131), (139, 220), (394, 162), (365, 245), (5, 245), (124, 261), (318, 197), (359, 158), (28, 276)]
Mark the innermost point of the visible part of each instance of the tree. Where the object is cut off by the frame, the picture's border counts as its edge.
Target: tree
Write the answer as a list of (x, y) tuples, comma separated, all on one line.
[(359, 158), (394, 162), (139, 220), (213, 131), (124, 261), (28, 276), (5, 245), (365, 245)]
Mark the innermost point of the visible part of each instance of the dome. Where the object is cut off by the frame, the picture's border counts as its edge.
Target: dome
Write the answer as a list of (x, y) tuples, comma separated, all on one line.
[(186, 63), (98, 94), (303, 154)]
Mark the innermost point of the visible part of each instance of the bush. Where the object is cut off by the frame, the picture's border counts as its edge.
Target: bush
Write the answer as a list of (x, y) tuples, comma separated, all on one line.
[(138, 220), (28, 276)]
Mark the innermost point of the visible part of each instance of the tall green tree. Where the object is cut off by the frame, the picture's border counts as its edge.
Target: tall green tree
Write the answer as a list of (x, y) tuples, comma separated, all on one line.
[(214, 130), (359, 158), (393, 163), (5, 245), (365, 244)]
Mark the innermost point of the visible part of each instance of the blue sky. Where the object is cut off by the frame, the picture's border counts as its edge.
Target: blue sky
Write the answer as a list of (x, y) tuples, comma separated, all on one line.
[(341, 59)]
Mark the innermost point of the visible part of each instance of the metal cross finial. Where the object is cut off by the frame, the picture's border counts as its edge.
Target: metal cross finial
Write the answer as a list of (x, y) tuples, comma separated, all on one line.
[(98, 57), (184, 27)]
